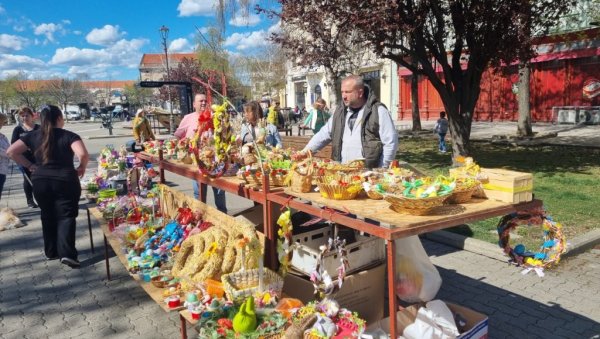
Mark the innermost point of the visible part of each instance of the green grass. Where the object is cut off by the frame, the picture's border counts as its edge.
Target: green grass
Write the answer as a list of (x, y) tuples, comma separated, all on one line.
[(565, 179)]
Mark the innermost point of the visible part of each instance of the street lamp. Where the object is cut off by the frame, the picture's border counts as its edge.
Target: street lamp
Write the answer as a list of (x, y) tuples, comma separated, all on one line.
[(164, 34)]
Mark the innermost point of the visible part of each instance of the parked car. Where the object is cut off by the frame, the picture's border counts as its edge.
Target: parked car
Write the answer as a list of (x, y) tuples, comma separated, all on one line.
[(73, 115)]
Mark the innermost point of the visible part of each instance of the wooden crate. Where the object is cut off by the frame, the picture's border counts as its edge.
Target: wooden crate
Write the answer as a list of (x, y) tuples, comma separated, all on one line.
[(507, 186)]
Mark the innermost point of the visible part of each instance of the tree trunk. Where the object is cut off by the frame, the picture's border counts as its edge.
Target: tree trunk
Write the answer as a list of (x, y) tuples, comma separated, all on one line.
[(414, 97), (524, 124), (334, 84)]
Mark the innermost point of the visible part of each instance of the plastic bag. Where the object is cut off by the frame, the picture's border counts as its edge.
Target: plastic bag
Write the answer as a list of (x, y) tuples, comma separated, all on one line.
[(416, 277)]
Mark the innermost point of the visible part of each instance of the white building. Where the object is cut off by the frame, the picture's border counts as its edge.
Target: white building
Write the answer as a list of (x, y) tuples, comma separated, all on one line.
[(305, 84)]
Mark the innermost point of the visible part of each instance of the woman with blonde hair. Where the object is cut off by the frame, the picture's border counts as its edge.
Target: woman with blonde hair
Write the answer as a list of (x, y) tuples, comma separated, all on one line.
[(142, 131), (4, 159), (317, 117), (26, 125)]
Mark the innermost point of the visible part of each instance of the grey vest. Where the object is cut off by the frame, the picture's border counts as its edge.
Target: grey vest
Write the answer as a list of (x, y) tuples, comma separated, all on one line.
[(372, 148)]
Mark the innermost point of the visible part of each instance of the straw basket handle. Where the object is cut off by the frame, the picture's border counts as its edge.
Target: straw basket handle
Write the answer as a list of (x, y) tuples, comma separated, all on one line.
[(307, 161)]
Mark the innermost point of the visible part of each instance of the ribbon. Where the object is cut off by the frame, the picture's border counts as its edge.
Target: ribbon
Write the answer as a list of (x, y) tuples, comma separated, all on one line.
[(508, 189)]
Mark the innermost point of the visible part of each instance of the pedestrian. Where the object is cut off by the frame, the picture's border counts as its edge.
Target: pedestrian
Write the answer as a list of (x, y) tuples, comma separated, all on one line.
[(441, 128), (317, 117), (189, 126), (252, 132), (360, 128), (297, 114), (24, 127), (142, 131), (55, 181), (4, 159)]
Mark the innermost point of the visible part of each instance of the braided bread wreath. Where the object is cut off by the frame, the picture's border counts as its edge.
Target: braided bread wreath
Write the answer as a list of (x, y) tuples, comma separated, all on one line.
[(553, 246), (199, 259)]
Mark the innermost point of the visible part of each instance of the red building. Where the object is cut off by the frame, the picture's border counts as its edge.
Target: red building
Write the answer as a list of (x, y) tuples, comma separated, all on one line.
[(565, 65)]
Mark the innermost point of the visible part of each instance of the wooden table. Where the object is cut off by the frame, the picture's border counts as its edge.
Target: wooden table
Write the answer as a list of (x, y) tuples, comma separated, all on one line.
[(154, 292), (365, 215), (376, 218)]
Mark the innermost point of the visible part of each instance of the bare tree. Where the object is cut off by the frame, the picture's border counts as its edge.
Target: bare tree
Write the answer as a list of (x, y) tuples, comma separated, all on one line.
[(31, 94), (65, 91), (311, 36), (265, 69), (7, 94)]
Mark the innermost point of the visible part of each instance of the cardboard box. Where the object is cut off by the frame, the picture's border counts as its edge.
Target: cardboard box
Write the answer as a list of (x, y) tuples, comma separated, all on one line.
[(507, 186), (362, 292), (477, 323)]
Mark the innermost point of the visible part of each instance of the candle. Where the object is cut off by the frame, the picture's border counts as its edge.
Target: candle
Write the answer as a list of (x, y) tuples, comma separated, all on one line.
[(261, 271)]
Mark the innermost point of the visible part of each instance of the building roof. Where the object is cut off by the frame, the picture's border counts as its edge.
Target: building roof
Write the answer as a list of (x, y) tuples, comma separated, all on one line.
[(37, 84), (150, 60)]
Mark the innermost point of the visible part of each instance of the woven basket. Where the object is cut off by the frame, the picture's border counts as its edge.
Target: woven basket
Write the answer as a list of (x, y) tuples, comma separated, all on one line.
[(275, 180), (461, 196), (354, 167), (243, 284), (302, 182), (374, 195), (422, 206), (337, 192)]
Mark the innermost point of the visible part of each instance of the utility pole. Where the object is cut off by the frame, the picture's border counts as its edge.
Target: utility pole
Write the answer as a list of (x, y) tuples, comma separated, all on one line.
[(164, 34)]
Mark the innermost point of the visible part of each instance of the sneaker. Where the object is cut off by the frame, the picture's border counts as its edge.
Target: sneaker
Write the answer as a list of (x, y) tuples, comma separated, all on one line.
[(32, 205), (70, 262), (51, 258)]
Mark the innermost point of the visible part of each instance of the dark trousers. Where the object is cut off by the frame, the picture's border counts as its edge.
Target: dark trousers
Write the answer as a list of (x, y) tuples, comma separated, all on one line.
[(2, 181), (59, 204), (26, 185)]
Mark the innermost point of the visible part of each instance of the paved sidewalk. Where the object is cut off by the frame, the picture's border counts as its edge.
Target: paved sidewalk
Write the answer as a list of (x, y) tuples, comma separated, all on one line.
[(40, 299)]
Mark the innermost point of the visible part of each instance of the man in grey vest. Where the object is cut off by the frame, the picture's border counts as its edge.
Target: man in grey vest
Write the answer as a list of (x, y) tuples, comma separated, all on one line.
[(361, 128)]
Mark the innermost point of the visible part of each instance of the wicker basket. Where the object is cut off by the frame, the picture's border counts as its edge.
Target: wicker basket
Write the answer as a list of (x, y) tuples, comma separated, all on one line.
[(461, 196), (422, 206), (352, 168), (302, 182), (374, 195), (275, 180), (337, 192), (243, 284)]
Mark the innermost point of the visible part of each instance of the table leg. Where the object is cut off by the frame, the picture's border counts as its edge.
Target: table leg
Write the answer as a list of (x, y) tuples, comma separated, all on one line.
[(393, 304), (90, 229), (106, 258), (203, 191), (183, 327)]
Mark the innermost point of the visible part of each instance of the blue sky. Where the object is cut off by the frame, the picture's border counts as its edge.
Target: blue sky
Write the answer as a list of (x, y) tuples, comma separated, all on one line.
[(105, 39)]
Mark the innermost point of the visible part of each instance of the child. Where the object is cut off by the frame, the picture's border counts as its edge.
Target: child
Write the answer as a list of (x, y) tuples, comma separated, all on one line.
[(441, 128), (4, 160)]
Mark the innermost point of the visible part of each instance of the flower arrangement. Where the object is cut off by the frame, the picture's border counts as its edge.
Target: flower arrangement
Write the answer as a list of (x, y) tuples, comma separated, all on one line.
[(553, 241)]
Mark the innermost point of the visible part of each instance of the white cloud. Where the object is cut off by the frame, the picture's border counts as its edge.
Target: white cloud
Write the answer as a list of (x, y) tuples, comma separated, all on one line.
[(180, 45), (99, 63), (104, 36), (197, 7), (12, 61), (66, 21), (244, 41), (19, 28), (11, 43), (243, 18), (48, 31), (276, 28), (2, 10), (77, 32)]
